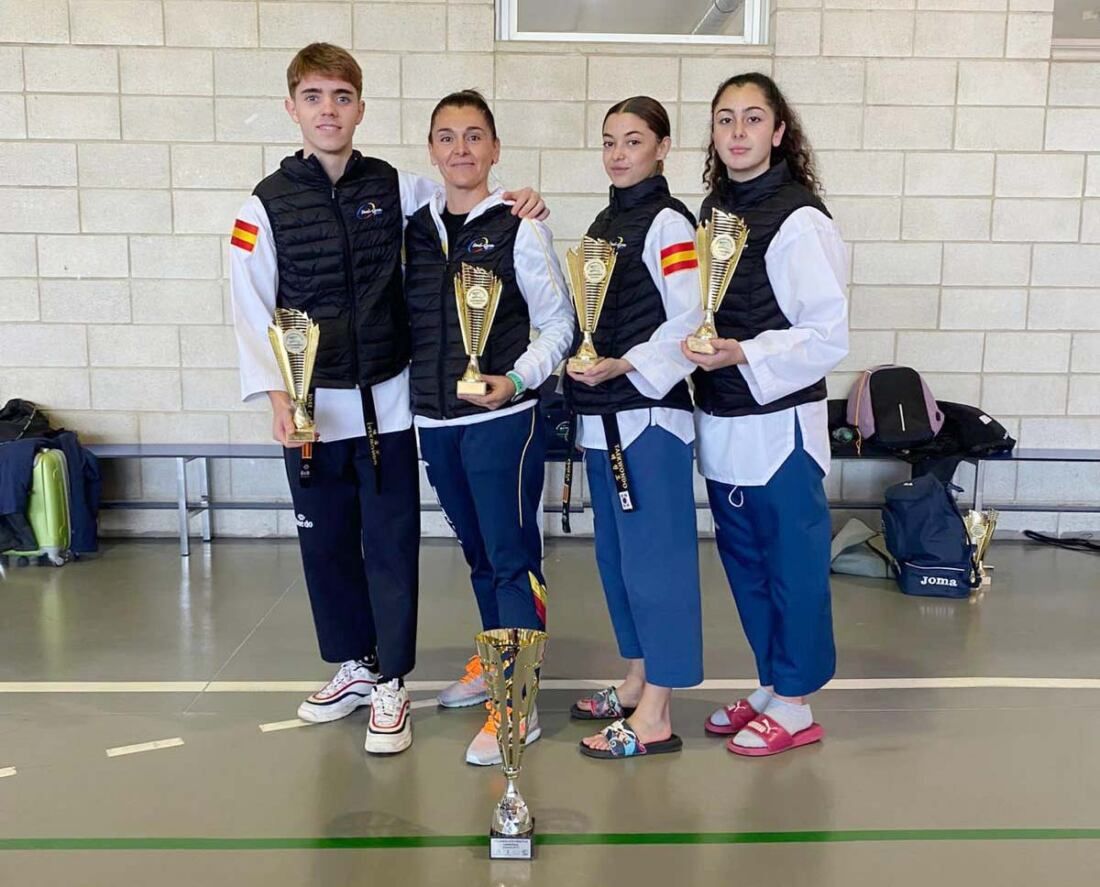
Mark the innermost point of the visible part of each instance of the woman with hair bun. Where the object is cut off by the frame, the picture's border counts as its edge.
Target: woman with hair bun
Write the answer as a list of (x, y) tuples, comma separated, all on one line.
[(484, 453), (635, 424)]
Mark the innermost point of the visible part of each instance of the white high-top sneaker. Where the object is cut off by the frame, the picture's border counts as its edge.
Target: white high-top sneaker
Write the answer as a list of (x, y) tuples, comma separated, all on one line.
[(390, 728), (349, 689)]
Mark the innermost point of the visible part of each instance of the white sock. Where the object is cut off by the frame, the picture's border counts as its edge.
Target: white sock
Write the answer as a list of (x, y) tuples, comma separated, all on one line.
[(758, 699), (791, 716)]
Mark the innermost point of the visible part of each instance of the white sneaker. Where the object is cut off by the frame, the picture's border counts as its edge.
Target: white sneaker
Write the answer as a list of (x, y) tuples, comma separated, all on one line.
[(468, 689), (484, 751), (390, 728), (348, 690)]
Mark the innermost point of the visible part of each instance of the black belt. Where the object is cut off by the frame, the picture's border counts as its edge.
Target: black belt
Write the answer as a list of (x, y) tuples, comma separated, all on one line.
[(370, 420), (567, 487), (305, 464), (614, 454), (618, 460)]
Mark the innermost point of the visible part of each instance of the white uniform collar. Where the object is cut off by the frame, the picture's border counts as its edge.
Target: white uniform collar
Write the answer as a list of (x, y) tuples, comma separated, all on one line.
[(438, 203)]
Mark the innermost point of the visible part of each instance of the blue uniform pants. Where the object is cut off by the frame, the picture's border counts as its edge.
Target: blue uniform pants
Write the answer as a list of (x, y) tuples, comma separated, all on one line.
[(774, 544), (648, 558), (489, 478)]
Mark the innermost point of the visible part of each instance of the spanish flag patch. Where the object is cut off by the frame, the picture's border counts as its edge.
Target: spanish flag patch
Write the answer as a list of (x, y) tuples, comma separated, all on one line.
[(244, 235), (679, 257)]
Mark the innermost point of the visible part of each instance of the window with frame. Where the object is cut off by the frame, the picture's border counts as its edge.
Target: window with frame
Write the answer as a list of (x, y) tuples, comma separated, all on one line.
[(634, 21), (1076, 29)]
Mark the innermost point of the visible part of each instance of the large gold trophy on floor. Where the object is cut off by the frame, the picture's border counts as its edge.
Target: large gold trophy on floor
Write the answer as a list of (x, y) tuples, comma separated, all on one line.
[(510, 661), (719, 246), (589, 270), (477, 294), (294, 338)]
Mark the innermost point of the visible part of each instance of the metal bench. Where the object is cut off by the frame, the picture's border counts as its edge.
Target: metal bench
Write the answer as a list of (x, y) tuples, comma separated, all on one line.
[(182, 454), (203, 453)]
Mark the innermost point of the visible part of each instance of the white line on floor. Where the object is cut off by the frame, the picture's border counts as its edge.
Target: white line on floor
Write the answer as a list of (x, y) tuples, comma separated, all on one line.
[(7, 771), (945, 683), (425, 703), (175, 742), (284, 725), (294, 723), (105, 686)]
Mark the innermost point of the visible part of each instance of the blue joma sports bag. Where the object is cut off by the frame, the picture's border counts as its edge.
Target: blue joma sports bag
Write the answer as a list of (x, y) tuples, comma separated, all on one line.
[(927, 539)]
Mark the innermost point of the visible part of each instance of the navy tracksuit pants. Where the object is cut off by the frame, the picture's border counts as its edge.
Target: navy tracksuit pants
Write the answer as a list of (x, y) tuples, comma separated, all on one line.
[(774, 543), (360, 548), (489, 478)]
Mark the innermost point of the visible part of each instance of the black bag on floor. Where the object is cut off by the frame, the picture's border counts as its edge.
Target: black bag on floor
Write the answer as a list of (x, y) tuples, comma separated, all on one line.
[(927, 539)]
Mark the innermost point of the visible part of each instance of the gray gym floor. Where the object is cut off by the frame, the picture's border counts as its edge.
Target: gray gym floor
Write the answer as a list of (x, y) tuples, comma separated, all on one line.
[(930, 771)]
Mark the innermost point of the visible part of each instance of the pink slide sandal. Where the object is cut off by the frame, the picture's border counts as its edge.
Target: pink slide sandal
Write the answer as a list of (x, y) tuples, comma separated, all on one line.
[(776, 738), (739, 715)]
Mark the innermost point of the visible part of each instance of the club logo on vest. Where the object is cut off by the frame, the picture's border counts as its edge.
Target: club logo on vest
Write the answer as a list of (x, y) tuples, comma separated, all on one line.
[(618, 244), (938, 580), (481, 245), (368, 211), (302, 521)]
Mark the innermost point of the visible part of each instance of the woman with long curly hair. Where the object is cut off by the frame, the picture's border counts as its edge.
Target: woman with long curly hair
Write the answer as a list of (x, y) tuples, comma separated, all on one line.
[(761, 419)]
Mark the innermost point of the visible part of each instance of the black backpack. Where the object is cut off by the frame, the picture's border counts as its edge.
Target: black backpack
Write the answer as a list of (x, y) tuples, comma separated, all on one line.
[(927, 539), (893, 407), (21, 418)]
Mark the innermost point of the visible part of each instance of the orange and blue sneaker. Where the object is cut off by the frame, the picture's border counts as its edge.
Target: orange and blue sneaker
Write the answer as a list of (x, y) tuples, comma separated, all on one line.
[(484, 750), (468, 689)]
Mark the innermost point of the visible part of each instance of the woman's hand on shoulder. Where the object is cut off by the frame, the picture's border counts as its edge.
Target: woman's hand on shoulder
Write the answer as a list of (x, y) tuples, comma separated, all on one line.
[(527, 203)]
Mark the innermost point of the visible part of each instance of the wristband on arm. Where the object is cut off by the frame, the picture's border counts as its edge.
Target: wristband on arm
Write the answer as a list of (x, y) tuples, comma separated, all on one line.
[(517, 380)]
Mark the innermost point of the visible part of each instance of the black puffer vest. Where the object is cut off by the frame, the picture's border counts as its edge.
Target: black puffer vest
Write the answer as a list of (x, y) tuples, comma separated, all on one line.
[(750, 307), (438, 355), (633, 308), (339, 259)]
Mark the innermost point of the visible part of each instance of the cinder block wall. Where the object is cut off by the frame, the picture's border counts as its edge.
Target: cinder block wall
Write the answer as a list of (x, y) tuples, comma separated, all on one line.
[(962, 163)]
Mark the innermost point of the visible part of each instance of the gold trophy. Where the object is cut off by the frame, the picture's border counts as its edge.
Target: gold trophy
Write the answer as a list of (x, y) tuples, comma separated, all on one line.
[(510, 660), (477, 294), (590, 267), (294, 339), (719, 247), (979, 527)]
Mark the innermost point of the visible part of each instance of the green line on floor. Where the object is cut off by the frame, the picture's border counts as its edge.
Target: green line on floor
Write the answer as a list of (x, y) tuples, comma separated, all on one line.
[(407, 842)]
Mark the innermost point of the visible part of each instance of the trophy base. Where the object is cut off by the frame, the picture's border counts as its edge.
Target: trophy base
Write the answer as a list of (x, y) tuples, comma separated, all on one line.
[(512, 846), (581, 364), (302, 437), (700, 346), (478, 388)]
